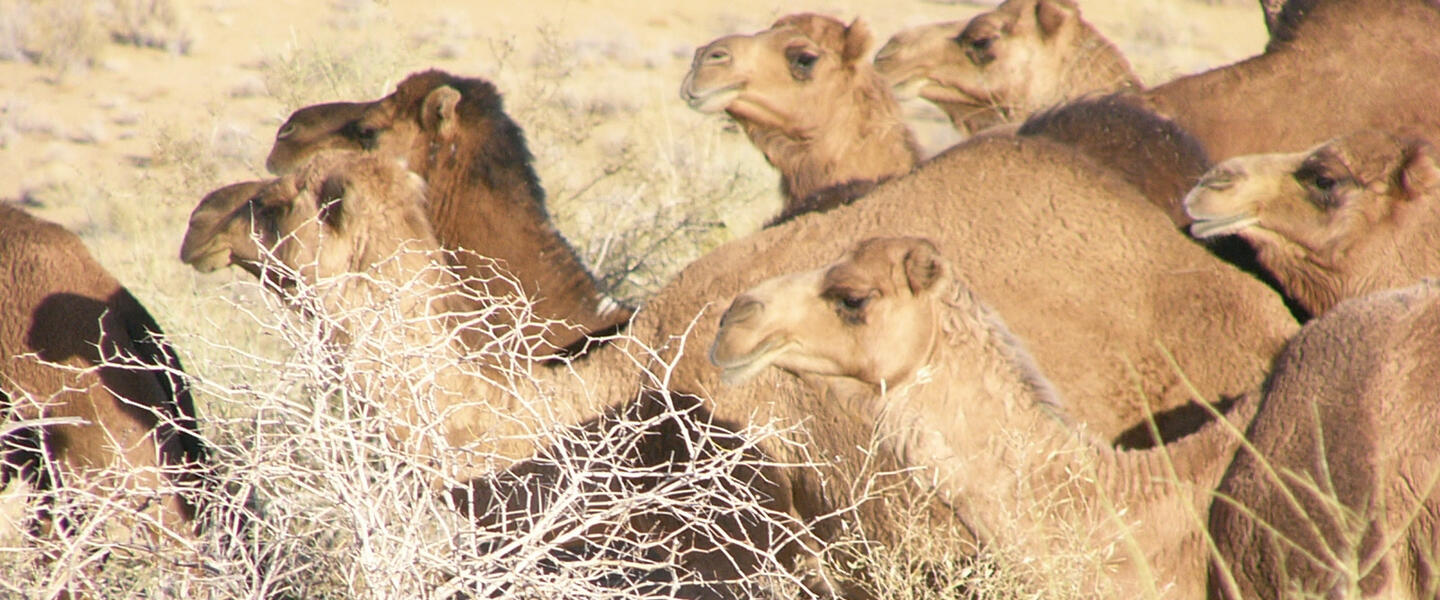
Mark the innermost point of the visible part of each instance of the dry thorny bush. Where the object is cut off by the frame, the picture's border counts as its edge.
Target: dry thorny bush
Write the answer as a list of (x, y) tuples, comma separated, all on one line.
[(345, 504)]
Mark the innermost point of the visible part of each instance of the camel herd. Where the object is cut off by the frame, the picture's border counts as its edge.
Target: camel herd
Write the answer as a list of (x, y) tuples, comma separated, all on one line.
[(1190, 321)]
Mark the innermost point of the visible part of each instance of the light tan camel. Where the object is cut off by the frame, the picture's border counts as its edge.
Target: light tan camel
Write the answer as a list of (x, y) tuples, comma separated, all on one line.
[(1352, 216), (952, 391), (1003, 65), (1339, 497), (484, 196), (82, 359), (804, 93)]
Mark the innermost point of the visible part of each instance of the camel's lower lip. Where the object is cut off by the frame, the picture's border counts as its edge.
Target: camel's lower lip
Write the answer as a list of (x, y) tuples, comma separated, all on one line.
[(714, 100), (1205, 227)]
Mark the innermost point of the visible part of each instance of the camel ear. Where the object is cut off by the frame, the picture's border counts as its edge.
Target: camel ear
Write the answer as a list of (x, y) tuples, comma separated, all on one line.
[(1051, 15), (438, 113), (857, 42), (1421, 173), (923, 266), (328, 200)]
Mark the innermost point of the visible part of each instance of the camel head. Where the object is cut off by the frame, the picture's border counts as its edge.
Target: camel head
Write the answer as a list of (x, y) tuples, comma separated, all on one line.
[(874, 316), (422, 114), (331, 126), (779, 78), (1003, 64), (342, 212), (1353, 215)]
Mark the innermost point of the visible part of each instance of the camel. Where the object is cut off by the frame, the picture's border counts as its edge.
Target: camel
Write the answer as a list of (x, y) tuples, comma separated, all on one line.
[(84, 361), (1003, 65), (952, 390), (485, 200), (346, 213), (1332, 67), (1335, 494), (803, 93), (1349, 217), (1097, 282)]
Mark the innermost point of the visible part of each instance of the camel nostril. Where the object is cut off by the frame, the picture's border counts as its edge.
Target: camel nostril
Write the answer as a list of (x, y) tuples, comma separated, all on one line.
[(1219, 181), (740, 310), (717, 56)]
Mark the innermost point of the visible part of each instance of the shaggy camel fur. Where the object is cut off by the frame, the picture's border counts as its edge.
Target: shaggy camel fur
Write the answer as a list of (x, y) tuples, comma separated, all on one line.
[(1002, 65), (1332, 67), (951, 391), (1151, 152), (805, 95), (484, 196), (1348, 424), (1352, 216), (75, 344)]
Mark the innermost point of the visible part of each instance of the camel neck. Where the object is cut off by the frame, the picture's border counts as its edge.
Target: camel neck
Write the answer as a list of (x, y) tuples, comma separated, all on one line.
[(519, 242), (1002, 455), (859, 137)]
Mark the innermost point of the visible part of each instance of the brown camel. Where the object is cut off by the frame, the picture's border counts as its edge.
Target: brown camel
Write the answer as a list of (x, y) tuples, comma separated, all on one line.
[(77, 347), (952, 391), (1332, 67), (1004, 64), (807, 98), (1352, 216), (1336, 495), (484, 196)]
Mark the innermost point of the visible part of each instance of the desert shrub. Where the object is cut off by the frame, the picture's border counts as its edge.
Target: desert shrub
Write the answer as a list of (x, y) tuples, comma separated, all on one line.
[(336, 453)]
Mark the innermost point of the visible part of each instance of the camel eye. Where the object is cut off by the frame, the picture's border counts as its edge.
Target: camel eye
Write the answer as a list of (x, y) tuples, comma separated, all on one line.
[(978, 48), (801, 61), (1324, 183), (853, 302)]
